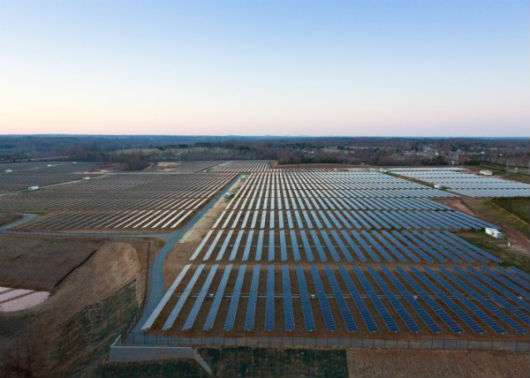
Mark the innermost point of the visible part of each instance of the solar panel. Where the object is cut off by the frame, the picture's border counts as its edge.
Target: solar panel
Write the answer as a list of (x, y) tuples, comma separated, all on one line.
[(365, 246), (380, 307), (309, 321), (412, 300), (330, 246), (283, 246), (307, 247), (259, 245), (192, 315), (213, 245), (345, 312), (201, 246), (353, 246), (354, 292), (318, 246), (248, 245), (288, 314), (327, 315), (269, 304), (234, 300), (165, 299), (394, 301), (170, 320), (214, 308), (342, 246), (435, 307), (449, 303), (235, 248), (271, 247), (294, 246), (250, 318), (224, 246), (484, 302)]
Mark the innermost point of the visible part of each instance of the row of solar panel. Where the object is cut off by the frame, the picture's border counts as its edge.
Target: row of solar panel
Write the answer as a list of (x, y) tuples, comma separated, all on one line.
[(338, 246), (262, 201), (370, 219), (452, 301)]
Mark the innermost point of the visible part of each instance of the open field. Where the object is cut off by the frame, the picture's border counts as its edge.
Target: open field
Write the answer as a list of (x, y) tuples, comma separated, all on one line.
[(41, 263)]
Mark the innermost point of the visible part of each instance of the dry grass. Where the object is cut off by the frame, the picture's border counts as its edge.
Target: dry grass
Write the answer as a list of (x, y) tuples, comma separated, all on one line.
[(436, 364)]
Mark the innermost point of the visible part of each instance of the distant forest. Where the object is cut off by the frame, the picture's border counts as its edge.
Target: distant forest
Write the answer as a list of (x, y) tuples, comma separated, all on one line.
[(137, 152)]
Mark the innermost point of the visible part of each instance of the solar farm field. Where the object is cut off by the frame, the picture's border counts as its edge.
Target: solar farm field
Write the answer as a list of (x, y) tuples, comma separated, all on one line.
[(242, 166), (467, 183), (328, 258), (134, 202), (19, 176)]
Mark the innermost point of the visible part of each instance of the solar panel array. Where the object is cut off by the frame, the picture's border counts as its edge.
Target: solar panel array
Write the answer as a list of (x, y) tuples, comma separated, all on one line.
[(119, 202), (357, 254), (467, 183)]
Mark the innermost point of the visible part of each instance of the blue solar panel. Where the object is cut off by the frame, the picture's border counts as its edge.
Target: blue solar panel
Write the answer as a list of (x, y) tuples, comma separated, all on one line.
[(396, 304), (377, 246), (354, 292), (307, 247), (342, 246), (400, 237), (283, 246), (259, 245), (201, 246), (327, 315), (318, 246), (271, 247), (222, 251), (234, 300), (182, 299), (424, 315), (192, 315), (345, 312), (165, 299), (250, 318), (214, 308), (248, 245), (391, 248), (400, 247), (497, 299), (235, 248), (380, 307), (484, 301), (309, 321), (294, 246), (365, 246), (330, 246), (353, 246), (457, 310), (439, 311), (288, 313), (269, 304)]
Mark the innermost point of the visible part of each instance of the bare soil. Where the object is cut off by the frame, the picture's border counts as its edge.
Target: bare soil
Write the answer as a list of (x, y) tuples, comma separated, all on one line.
[(41, 263), (436, 364)]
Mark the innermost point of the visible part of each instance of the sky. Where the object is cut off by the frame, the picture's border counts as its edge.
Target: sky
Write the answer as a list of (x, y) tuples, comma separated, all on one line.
[(342, 68)]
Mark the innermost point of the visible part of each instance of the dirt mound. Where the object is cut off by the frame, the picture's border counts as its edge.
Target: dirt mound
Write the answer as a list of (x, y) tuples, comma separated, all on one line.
[(434, 364), (90, 307)]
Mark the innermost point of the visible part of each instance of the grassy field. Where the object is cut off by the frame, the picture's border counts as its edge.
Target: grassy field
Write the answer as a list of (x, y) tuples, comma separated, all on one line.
[(499, 248), (242, 362), (518, 206)]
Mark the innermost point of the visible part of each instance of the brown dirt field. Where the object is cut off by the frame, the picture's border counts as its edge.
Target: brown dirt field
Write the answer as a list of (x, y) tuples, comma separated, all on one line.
[(6, 218), (40, 263), (89, 307), (436, 364)]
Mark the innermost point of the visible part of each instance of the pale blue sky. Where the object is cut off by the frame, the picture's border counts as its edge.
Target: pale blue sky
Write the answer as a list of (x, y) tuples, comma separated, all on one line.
[(426, 68)]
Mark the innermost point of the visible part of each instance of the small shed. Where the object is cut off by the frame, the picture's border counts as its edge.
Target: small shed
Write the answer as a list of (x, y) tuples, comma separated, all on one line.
[(493, 232)]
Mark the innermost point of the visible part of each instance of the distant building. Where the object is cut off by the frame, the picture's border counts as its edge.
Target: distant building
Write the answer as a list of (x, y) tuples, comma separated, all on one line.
[(485, 172), (33, 187)]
